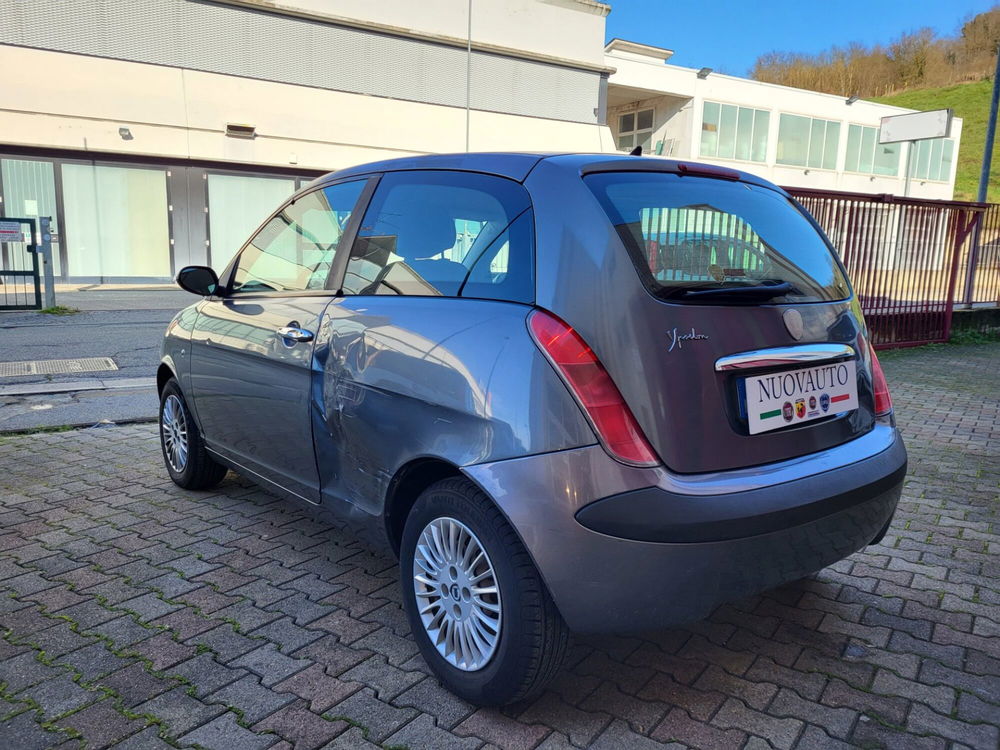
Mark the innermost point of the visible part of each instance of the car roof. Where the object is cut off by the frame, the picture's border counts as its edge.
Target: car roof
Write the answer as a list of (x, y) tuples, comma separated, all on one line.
[(517, 165)]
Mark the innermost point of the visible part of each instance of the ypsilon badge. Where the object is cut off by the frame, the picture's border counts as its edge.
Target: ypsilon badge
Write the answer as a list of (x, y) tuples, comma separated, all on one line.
[(677, 338)]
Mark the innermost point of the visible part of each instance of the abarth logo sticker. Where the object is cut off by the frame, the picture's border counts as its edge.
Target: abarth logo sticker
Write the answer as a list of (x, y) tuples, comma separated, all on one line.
[(800, 407), (677, 339)]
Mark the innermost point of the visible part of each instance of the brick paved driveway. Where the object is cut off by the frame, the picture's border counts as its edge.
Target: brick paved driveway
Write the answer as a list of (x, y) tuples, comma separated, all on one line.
[(134, 613)]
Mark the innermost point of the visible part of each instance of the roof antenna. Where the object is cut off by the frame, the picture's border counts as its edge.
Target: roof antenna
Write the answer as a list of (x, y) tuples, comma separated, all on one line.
[(637, 151)]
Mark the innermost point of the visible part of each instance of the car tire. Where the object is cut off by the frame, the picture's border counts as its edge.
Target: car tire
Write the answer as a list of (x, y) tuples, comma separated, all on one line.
[(184, 454), (530, 641)]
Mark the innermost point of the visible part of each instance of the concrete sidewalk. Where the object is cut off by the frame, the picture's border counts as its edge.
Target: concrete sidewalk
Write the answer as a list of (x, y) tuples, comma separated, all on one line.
[(124, 324)]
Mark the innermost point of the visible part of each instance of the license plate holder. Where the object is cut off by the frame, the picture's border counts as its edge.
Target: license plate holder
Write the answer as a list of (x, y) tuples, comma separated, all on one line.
[(792, 397)]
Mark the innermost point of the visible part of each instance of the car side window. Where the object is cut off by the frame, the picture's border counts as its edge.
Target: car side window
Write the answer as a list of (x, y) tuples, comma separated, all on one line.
[(441, 233), (294, 250)]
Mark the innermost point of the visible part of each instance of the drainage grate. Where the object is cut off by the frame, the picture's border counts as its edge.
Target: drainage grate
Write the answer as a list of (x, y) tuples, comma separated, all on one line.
[(56, 366)]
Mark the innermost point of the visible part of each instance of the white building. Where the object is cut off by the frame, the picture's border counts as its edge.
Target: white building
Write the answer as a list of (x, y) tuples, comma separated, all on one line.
[(159, 133), (790, 136)]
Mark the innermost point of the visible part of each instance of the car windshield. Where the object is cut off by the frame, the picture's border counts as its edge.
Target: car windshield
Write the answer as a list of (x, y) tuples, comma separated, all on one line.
[(707, 240)]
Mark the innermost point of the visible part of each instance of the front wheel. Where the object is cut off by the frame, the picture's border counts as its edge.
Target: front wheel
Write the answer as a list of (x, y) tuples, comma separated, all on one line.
[(184, 454), (479, 611)]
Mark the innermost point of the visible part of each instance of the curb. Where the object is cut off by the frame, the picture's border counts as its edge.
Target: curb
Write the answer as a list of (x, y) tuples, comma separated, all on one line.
[(77, 426)]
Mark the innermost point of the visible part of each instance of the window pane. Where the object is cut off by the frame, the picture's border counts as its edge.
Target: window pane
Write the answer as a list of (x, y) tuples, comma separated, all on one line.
[(710, 129), (934, 169), (29, 192), (831, 145), (913, 159), (685, 232), (853, 148), (625, 142), (643, 139), (626, 123), (644, 119), (817, 132), (406, 243), (236, 207), (887, 159), (867, 150), (466, 233), (921, 160), (947, 154), (295, 249), (744, 133), (505, 270), (727, 131), (761, 120), (116, 220), (793, 139)]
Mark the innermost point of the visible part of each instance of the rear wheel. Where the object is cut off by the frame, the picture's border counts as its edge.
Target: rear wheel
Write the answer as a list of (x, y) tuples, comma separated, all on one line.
[(478, 608), (184, 454)]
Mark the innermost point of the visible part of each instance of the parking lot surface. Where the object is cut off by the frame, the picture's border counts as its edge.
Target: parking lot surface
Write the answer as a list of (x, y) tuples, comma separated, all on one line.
[(136, 615)]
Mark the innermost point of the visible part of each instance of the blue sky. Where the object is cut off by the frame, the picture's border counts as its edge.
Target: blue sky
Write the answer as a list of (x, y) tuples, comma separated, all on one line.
[(728, 35)]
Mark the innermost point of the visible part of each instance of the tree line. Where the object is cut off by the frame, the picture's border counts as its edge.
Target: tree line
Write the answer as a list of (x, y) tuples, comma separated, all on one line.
[(917, 59)]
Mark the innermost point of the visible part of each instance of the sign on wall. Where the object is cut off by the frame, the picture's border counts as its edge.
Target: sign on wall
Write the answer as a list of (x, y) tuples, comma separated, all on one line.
[(916, 126), (10, 231)]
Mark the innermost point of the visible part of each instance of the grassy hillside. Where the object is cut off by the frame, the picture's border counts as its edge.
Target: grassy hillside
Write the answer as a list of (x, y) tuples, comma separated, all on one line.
[(971, 102)]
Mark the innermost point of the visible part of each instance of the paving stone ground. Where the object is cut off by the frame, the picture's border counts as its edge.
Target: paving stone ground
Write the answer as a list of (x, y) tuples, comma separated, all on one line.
[(136, 615)]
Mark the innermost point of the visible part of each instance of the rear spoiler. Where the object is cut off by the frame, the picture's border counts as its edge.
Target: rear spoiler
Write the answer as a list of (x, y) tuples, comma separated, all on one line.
[(694, 169)]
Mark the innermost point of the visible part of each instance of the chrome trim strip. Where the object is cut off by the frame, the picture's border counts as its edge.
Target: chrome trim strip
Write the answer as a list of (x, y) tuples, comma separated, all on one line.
[(880, 438), (783, 355)]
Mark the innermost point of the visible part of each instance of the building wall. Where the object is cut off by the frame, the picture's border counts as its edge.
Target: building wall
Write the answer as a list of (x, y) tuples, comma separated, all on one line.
[(243, 40), (671, 124), (654, 76), (523, 25), (80, 102), (113, 113), (116, 126)]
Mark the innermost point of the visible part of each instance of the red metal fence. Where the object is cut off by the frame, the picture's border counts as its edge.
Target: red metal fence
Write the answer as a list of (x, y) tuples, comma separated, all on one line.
[(979, 264), (911, 259)]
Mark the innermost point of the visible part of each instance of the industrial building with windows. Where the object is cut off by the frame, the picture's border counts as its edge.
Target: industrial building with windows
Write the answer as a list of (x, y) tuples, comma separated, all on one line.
[(160, 133)]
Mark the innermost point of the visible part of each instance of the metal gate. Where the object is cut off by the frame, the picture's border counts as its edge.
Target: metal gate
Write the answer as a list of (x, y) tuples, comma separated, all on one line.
[(20, 282), (902, 255)]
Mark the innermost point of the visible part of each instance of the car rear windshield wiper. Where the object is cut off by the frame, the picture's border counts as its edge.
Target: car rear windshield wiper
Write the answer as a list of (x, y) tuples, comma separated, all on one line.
[(766, 290)]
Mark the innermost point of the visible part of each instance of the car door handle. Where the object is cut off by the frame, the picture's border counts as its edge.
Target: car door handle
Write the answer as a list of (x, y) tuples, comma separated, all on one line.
[(294, 335)]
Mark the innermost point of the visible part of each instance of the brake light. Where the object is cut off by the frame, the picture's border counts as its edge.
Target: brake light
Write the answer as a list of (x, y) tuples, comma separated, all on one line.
[(593, 389), (707, 170), (883, 401)]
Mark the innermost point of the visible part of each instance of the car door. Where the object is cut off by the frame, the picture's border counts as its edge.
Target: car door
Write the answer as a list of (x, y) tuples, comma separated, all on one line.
[(423, 323), (252, 347)]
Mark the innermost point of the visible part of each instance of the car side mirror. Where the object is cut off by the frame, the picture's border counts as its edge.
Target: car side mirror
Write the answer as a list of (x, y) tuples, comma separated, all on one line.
[(200, 280)]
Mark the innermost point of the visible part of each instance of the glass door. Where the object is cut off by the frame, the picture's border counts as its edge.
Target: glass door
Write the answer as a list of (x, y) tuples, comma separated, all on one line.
[(29, 191), (237, 205), (117, 222)]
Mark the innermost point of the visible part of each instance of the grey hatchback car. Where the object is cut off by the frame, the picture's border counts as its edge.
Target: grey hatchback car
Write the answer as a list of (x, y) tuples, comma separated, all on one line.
[(572, 392)]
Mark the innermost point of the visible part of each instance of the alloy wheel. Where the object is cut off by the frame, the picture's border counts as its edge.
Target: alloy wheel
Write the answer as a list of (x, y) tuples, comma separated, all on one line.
[(458, 596), (173, 428)]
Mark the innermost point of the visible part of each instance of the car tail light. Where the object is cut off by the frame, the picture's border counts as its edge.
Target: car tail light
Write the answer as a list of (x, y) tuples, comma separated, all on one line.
[(883, 401), (593, 388)]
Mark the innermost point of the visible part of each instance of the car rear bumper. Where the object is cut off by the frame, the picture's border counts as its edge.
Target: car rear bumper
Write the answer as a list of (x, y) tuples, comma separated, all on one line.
[(625, 549)]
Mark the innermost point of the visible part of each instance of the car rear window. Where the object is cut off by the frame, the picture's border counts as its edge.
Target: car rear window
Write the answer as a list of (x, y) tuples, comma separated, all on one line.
[(688, 235)]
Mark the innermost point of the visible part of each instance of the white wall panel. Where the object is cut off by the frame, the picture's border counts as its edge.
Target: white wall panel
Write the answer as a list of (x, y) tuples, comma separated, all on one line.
[(245, 42)]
